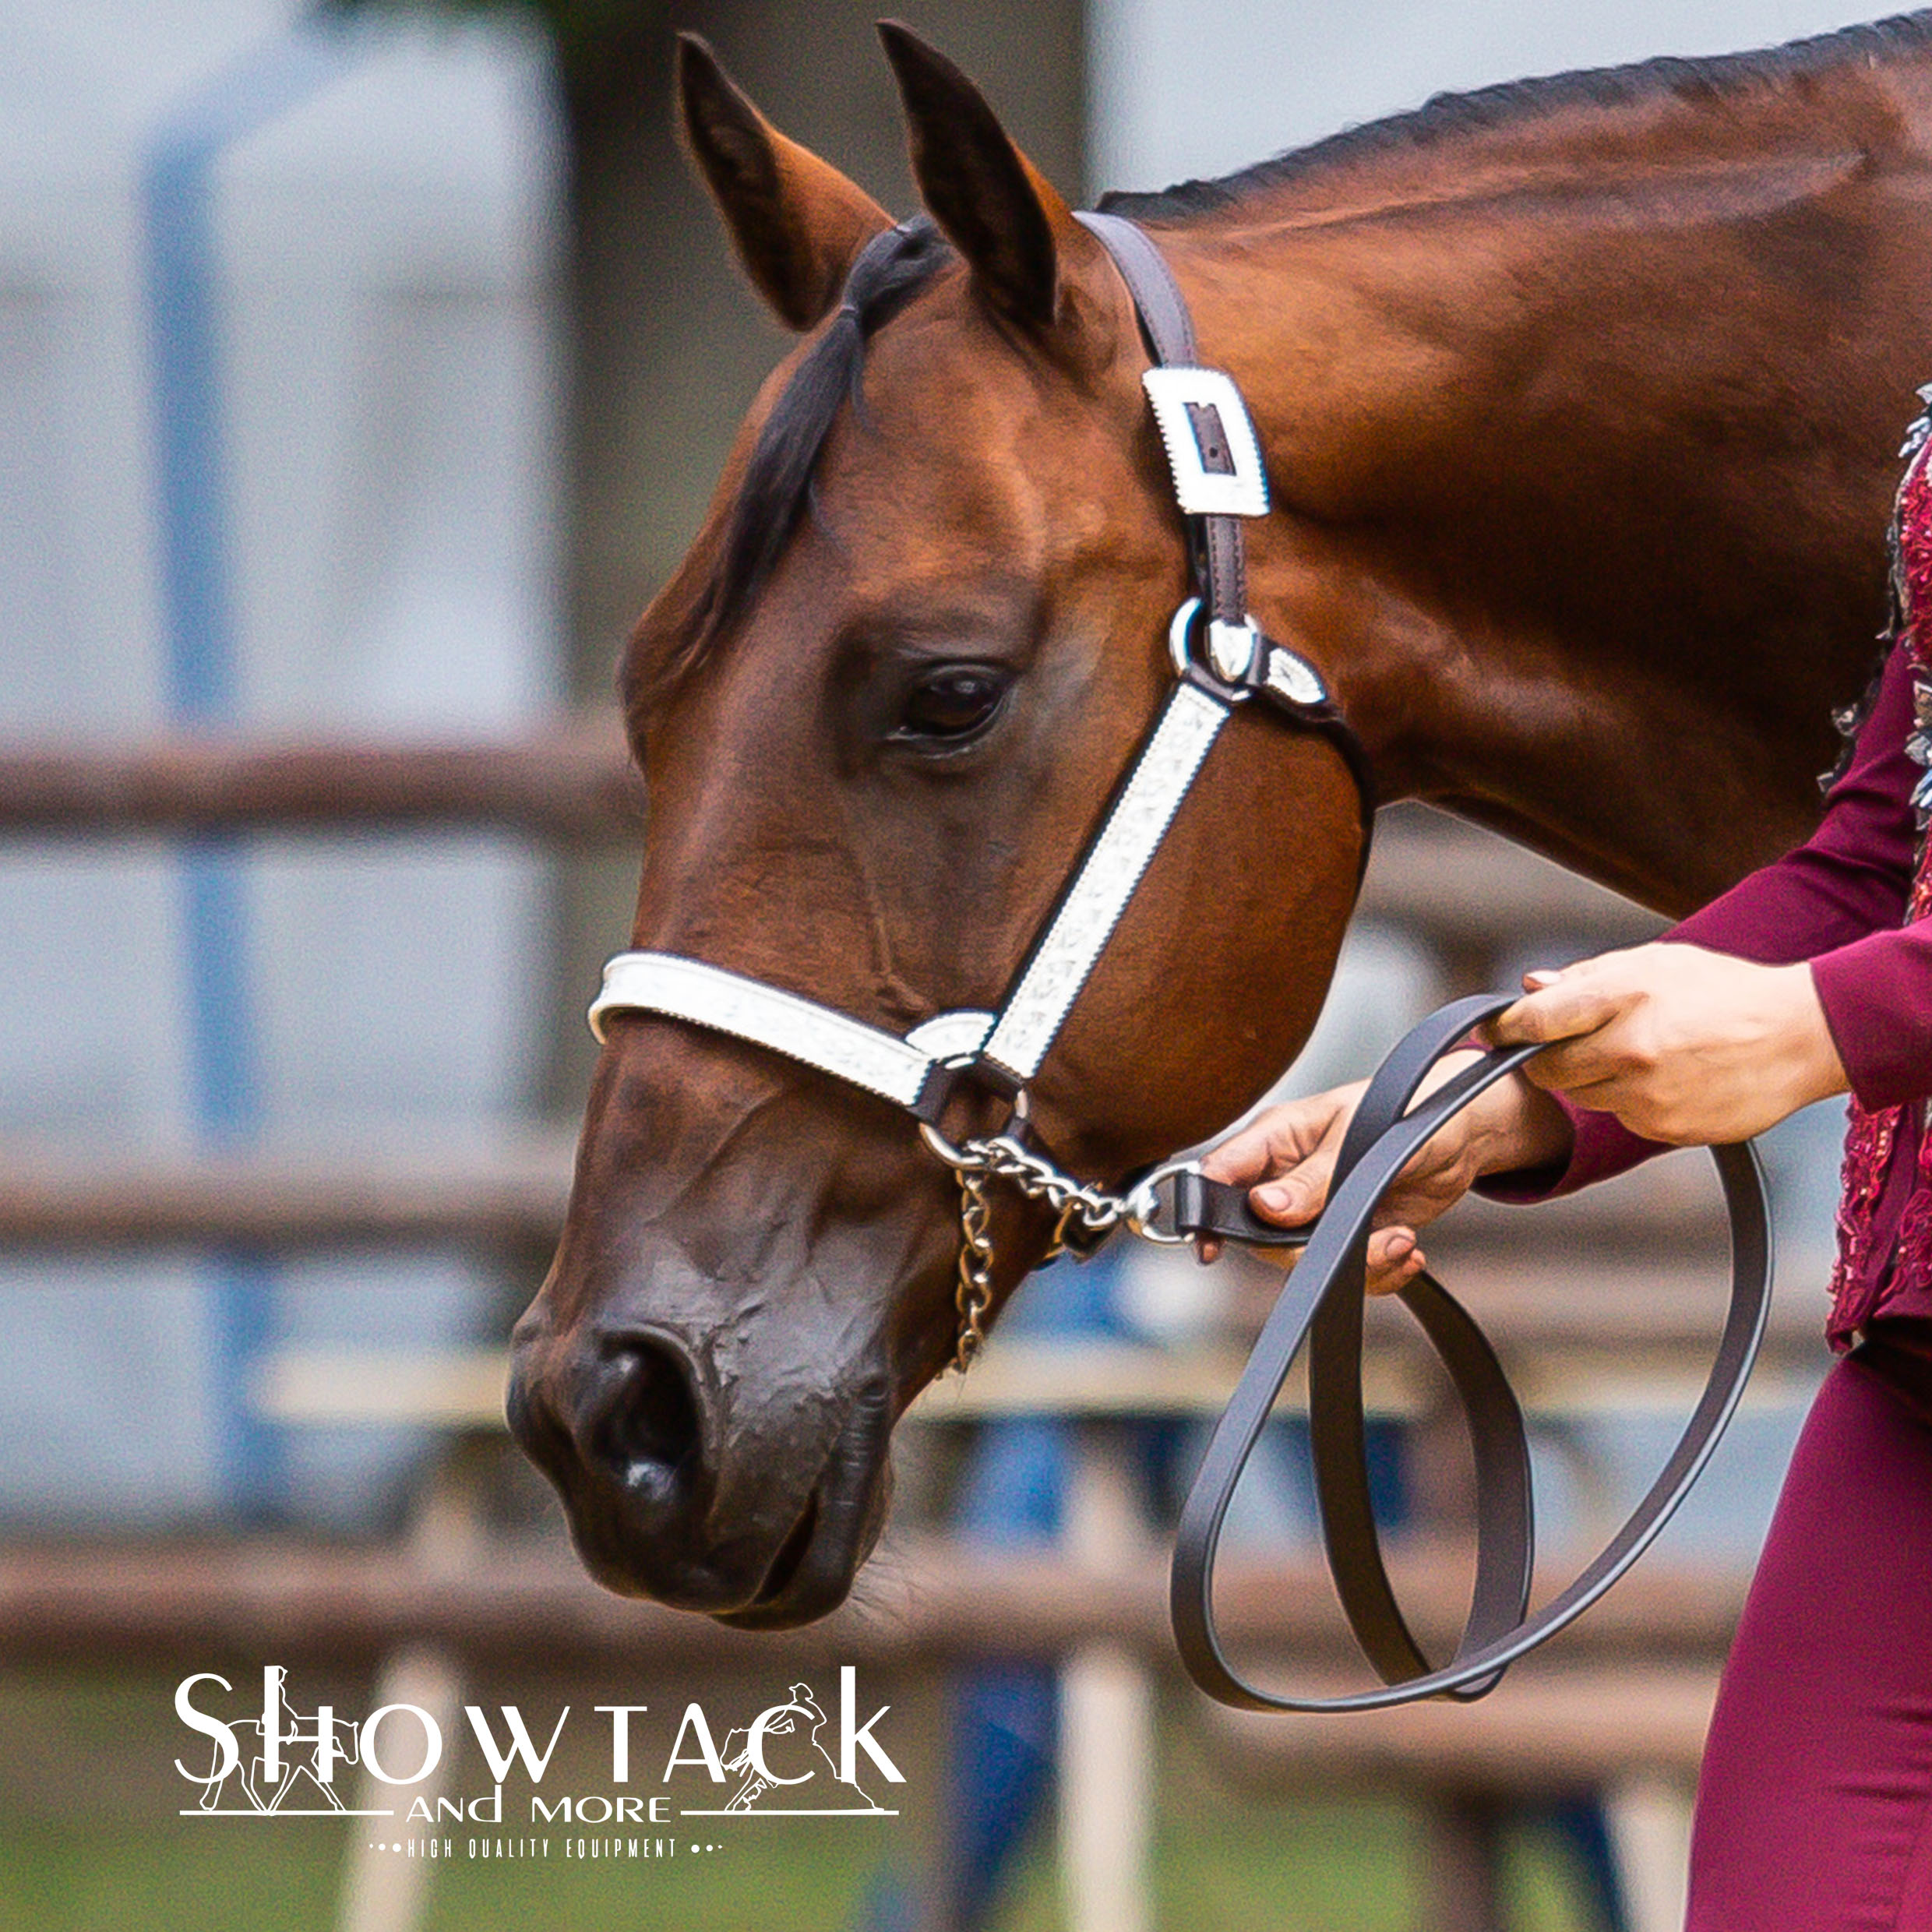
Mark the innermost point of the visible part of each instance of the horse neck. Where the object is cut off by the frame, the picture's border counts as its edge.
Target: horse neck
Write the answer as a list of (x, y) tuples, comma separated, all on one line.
[(1583, 455)]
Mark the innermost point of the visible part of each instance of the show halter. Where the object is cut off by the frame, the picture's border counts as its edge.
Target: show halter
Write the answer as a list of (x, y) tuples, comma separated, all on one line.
[(1221, 660)]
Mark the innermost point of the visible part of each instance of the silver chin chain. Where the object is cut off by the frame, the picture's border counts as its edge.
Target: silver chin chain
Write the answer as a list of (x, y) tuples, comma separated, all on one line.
[(1093, 1210)]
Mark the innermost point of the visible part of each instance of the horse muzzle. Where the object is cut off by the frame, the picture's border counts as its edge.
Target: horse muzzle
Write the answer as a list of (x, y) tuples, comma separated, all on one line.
[(697, 1475)]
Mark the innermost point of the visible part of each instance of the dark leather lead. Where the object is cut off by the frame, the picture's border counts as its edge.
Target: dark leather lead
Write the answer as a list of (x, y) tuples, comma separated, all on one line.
[(1322, 1304), (1220, 1209)]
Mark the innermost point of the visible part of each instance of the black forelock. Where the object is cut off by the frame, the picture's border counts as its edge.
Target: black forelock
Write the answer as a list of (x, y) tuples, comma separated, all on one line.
[(777, 486)]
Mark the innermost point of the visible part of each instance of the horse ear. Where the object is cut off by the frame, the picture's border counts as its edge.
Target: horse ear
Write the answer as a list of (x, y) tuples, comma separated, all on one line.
[(796, 222), (1004, 216)]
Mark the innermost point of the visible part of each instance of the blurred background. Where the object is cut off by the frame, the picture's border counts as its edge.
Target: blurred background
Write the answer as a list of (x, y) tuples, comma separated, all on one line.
[(362, 372)]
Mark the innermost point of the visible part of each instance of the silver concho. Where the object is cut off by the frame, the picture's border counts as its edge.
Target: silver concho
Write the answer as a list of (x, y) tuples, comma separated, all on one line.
[(1294, 677)]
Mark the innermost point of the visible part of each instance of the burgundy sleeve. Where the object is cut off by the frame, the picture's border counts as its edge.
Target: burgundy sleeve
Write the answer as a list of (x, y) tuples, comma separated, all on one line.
[(1876, 994), (1837, 900)]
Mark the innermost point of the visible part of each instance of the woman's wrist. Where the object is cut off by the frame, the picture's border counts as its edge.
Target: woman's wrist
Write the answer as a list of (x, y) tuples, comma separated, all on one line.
[(1522, 1129), (1814, 1070), (1513, 1128)]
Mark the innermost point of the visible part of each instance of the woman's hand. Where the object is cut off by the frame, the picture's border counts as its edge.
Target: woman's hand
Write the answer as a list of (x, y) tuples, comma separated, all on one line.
[(1681, 1045), (1287, 1157)]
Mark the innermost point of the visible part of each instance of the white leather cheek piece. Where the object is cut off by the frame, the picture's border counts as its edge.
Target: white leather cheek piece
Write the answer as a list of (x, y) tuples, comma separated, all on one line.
[(1091, 907)]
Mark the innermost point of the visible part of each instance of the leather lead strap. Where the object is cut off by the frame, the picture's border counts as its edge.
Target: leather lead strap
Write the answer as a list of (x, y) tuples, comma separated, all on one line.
[(1322, 1305)]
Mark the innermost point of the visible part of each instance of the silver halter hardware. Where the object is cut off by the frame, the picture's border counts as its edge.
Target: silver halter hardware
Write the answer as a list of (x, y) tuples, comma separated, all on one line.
[(1218, 477), (1210, 442)]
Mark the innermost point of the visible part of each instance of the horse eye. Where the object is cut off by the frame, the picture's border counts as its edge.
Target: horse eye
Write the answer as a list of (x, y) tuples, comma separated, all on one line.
[(951, 705)]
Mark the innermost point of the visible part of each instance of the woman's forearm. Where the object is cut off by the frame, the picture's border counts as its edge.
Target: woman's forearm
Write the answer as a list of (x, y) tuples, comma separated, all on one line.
[(1521, 1129)]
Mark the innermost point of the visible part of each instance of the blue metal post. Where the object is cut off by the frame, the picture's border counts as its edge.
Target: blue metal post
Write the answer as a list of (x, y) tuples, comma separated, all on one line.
[(203, 686)]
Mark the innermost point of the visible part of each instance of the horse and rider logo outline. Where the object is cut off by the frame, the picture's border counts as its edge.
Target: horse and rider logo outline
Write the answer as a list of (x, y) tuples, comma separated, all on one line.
[(781, 1721), (310, 1776)]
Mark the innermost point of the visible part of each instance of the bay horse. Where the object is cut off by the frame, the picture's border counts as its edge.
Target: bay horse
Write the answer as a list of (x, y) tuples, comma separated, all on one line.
[(1578, 399)]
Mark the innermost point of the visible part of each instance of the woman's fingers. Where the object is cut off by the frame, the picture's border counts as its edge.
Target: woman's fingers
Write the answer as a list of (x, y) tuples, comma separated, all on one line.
[(1584, 1016), (1388, 1246), (1286, 1157), (1575, 1067), (1679, 1043), (1573, 1004), (1276, 1140), (1261, 1147), (1395, 1258), (1298, 1195)]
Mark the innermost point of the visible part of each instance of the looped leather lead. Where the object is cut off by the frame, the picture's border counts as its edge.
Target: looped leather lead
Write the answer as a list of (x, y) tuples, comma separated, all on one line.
[(1322, 1306)]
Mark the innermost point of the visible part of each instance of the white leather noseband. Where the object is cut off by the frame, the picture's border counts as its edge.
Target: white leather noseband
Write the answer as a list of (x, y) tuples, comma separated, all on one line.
[(900, 1071)]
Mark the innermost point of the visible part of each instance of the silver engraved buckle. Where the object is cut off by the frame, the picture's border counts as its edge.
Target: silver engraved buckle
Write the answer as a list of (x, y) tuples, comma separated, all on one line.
[(1211, 445), (1232, 648)]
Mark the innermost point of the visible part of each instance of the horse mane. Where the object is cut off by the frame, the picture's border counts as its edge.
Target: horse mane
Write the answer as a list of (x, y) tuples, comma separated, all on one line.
[(1511, 102), (777, 486)]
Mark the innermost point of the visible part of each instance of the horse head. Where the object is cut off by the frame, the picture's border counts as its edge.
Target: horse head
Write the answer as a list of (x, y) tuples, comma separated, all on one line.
[(880, 708)]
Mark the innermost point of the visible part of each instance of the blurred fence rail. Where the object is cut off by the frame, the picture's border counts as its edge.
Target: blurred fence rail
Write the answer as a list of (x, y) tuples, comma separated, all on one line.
[(512, 1194), (919, 1602), (574, 780)]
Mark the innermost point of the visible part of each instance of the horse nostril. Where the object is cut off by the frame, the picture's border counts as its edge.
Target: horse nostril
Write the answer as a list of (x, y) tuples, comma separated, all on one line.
[(648, 1436)]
